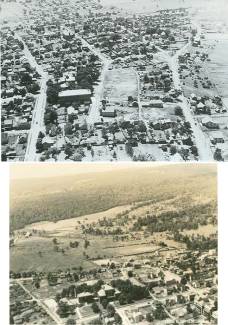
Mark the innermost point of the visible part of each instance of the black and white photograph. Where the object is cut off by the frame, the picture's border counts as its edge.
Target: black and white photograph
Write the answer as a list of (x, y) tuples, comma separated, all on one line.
[(114, 80)]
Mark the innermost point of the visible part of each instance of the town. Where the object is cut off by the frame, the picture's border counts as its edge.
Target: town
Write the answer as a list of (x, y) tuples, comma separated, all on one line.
[(82, 82), (167, 286)]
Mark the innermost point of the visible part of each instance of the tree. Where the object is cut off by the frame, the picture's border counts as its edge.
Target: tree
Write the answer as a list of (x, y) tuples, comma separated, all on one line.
[(159, 312), (41, 135), (52, 94), (63, 309), (218, 155), (77, 157), (69, 150), (95, 308), (68, 129), (149, 318), (39, 146), (58, 297), (4, 156), (178, 111), (52, 280), (110, 310), (194, 150), (50, 117), (71, 321), (55, 242), (146, 78), (104, 303), (130, 274), (86, 244), (129, 149), (37, 284), (33, 88), (26, 79), (173, 150)]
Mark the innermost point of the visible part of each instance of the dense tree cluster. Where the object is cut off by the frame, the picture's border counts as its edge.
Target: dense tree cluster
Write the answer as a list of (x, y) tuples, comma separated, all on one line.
[(197, 242), (188, 218), (129, 291)]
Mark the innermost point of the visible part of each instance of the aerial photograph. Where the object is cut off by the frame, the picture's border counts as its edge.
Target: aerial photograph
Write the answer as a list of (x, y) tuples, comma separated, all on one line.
[(110, 244), (114, 80)]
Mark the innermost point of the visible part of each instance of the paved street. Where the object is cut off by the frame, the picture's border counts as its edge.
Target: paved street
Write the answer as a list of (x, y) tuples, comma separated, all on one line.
[(39, 109)]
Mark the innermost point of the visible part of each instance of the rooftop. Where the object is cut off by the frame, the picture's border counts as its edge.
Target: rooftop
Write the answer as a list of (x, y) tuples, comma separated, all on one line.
[(74, 92)]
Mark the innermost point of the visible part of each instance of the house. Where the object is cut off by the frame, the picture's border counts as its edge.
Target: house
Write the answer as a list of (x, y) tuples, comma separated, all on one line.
[(85, 297), (171, 278), (163, 124), (109, 112), (47, 142), (208, 123), (8, 125), (137, 317), (107, 292), (156, 104), (151, 282), (217, 137)]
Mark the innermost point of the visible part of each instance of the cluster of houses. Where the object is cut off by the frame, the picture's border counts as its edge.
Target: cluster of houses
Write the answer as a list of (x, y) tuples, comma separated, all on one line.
[(206, 103), (182, 288), (23, 309), (130, 40), (192, 67), (157, 78), (19, 86), (54, 39)]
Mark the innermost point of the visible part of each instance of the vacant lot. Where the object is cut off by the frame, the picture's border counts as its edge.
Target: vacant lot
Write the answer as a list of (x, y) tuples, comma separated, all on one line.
[(11, 12), (119, 84)]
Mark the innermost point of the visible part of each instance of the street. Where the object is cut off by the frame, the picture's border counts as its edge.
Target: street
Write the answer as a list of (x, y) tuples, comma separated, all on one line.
[(201, 141), (52, 314), (39, 109)]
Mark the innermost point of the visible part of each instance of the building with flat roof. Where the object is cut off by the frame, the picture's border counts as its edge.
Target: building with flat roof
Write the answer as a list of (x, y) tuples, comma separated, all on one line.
[(75, 95)]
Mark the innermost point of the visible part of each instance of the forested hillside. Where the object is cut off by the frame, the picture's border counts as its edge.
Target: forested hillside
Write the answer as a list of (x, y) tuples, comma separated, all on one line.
[(62, 197)]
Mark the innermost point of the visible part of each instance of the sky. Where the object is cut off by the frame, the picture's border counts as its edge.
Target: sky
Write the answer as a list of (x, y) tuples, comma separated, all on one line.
[(43, 170)]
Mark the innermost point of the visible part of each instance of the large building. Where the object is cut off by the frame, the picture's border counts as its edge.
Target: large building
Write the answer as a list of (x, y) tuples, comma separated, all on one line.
[(76, 95)]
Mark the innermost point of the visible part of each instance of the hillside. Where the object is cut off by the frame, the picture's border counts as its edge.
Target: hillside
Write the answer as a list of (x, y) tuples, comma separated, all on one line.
[(56, 198)]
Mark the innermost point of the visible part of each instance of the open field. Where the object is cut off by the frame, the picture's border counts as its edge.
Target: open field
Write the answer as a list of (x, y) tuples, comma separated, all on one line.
[(203, 231), (218, 67), (119, 84), (68, 226), (11, 12)]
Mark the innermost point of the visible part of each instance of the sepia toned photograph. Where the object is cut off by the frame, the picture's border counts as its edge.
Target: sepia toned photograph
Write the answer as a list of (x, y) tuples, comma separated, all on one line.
[(132, 243), (114, 80)]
